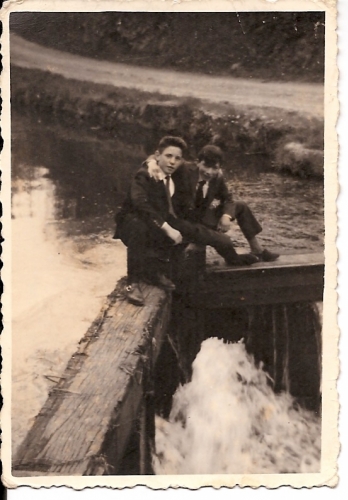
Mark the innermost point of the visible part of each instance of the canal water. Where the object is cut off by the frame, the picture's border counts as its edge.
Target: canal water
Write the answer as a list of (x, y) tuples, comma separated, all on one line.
[(66, 186)]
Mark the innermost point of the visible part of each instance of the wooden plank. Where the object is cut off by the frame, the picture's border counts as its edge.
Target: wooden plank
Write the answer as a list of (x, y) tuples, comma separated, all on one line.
[(216, 262), (85, 423), (291, 278)]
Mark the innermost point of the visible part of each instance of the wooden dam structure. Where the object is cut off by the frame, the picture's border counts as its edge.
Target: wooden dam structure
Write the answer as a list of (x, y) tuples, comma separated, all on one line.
[(105, 402)]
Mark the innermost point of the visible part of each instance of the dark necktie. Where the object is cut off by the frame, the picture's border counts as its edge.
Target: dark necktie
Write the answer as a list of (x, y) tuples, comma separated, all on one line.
[(169, 197), (199, 194)]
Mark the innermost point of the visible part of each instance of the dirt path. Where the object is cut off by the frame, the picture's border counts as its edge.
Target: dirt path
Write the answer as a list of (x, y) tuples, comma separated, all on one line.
[(305, 98)]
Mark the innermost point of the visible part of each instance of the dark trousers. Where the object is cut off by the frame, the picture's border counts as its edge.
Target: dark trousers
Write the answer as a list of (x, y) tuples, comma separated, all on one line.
[(246, 220), (203, 235), (150, 249)]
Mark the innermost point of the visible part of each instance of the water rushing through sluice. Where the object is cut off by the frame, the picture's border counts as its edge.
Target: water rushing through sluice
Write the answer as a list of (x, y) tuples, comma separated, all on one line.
[(228, 420)]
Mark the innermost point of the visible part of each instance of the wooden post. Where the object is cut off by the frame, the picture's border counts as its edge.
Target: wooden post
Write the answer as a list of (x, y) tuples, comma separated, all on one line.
[(147, 414), (147, 435), (285, 338), (143, 453), (187, 321)]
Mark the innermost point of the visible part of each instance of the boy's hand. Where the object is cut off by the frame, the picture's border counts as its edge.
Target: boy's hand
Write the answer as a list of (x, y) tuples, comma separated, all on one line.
[(153, 168), (224, 223), (172, 233)]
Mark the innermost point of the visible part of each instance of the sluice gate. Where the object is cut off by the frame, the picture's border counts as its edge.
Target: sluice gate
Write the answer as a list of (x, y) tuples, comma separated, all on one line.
[(112, 386)]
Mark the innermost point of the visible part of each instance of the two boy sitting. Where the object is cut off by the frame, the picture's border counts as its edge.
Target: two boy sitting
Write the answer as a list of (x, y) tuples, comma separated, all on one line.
[(169, 205)]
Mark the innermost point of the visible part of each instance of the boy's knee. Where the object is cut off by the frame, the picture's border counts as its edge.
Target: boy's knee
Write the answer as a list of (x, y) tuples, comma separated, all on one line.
[(241, 208), (240, 205)]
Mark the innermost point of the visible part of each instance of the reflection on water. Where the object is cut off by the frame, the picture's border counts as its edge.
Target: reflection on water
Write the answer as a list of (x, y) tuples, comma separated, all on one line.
[(90, 175), (23, 203), (50, 273)]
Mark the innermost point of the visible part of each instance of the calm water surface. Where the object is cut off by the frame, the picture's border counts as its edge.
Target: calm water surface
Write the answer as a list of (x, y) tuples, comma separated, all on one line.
[(91, 174)]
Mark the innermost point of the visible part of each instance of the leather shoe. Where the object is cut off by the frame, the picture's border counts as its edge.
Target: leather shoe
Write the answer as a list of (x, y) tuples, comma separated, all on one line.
[(163, 282), (267, 256), (160, 280), (135, 295), (245, 259)]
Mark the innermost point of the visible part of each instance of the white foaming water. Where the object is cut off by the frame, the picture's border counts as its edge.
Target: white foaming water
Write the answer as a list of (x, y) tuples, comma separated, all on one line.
[(228, 420)]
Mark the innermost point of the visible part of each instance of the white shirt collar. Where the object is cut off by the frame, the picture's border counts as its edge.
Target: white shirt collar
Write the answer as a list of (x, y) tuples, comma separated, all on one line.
[(157, 173), (205, 186)]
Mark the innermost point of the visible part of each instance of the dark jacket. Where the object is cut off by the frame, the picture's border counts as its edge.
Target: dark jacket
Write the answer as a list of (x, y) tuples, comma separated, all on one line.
[(218, 201), (147, 200)]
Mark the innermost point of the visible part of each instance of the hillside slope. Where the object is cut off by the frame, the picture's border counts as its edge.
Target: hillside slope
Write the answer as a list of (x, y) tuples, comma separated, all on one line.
[(271, 45)]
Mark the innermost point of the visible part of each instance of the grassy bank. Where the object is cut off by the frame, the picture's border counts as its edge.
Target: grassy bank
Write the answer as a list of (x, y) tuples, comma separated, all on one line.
[(293, 143)]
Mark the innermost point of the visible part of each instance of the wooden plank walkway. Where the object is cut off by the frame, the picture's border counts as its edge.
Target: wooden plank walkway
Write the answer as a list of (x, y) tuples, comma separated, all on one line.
[(291, 278), (86, 421)]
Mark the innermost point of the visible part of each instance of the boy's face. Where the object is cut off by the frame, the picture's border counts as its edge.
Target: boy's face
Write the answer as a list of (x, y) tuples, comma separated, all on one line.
[(208, 172), (169, 159)]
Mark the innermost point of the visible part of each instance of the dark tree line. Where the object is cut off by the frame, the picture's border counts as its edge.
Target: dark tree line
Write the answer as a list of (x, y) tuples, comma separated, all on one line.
[(274, 45)]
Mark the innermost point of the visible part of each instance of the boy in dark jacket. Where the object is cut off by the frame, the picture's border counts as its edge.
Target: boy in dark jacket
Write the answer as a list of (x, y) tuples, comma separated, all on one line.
[(214, 205), (155, 217)]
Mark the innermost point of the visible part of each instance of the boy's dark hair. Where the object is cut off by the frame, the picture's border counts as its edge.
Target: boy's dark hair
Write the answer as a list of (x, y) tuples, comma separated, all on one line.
[(211, 155), (171, 140)]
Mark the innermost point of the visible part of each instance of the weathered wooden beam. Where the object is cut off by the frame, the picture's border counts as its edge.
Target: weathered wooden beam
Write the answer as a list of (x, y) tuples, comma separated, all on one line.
[(292, 278), (86, 421)]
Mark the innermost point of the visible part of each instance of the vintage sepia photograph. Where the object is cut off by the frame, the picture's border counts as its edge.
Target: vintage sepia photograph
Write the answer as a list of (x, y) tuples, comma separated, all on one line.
[(170, 235)]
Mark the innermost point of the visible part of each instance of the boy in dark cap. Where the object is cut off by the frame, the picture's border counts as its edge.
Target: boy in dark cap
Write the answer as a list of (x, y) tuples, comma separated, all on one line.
[(214, 205)]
